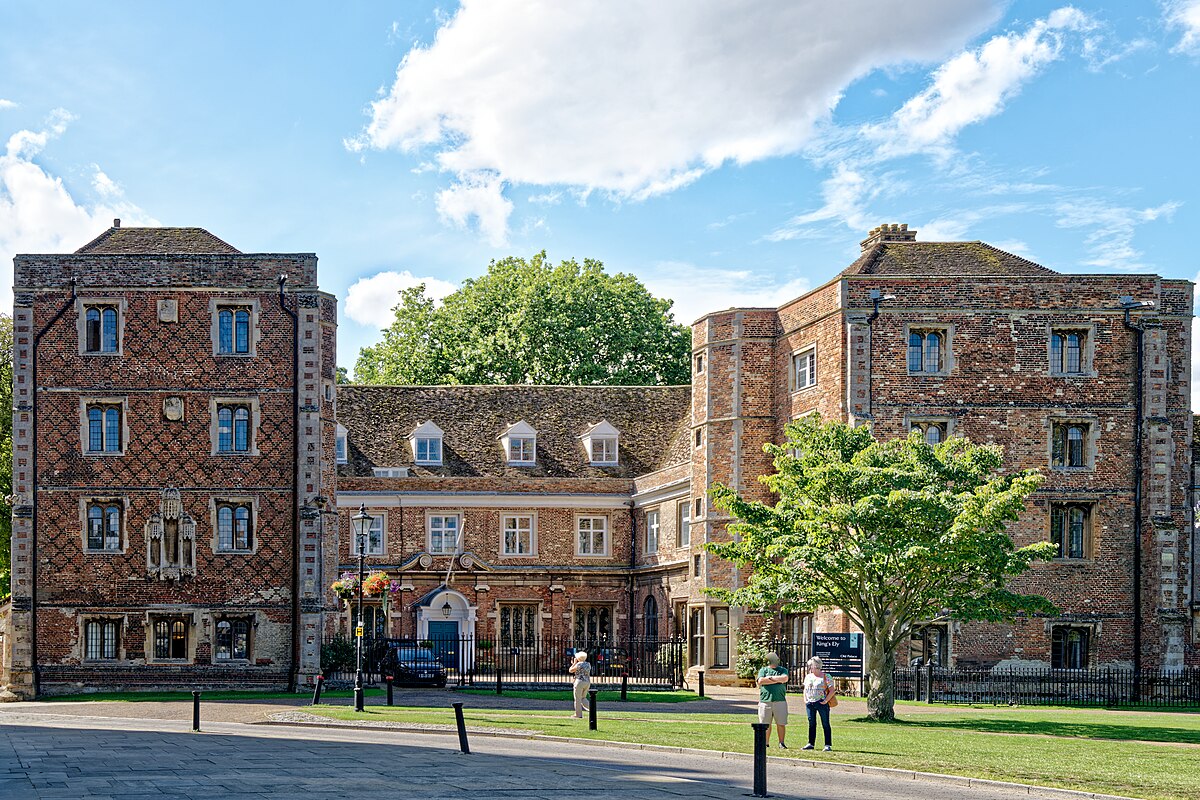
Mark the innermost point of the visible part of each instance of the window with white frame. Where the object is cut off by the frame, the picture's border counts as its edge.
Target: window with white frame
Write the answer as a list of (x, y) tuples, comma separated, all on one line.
[(520, 444), (375, 538), (804, 369), (591, 536), (443, 533), (390, 472), (600, 441), (685, 523), (518, 535), (652, 531), (426, 443)]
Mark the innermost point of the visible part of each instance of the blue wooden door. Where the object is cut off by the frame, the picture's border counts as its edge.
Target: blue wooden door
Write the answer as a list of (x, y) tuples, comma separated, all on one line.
[(444, 636)]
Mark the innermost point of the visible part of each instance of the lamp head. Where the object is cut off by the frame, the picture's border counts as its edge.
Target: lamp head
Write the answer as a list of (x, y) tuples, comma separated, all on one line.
[(447, 609), (361, 522), (1129, 304)]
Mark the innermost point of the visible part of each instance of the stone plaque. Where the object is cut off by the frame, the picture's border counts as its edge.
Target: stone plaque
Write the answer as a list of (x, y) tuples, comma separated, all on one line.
[(168, 310), (173, 408)]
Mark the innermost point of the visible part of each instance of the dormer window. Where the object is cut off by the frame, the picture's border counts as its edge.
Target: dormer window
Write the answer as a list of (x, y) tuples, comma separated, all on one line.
[(340, 447), (600, 441), (520, 444), (426, 443)]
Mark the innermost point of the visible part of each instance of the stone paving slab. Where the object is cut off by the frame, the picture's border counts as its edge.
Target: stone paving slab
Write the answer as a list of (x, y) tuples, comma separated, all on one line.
[(92, 758)]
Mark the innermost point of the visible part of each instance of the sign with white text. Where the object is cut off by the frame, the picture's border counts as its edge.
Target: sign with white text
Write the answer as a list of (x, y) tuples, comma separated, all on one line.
[(841, 654)]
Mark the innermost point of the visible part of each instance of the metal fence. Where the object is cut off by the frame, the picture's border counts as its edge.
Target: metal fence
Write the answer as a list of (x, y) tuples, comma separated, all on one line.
[(540, 662), (1104, 686)]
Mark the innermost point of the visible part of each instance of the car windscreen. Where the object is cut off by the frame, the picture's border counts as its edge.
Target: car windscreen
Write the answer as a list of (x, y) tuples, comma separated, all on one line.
[(415, 654)]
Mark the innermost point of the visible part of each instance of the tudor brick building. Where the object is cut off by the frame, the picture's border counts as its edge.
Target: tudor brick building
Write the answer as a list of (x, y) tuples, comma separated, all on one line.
[(172, 427), (505, 513)]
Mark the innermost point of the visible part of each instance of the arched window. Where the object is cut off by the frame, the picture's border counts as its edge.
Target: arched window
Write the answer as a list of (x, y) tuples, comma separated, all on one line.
[(1068, 445), (233, 428), (233, 640), (233, 330), (109, 323), (225, 429), (925, 351), (650, 617), (241, 429)]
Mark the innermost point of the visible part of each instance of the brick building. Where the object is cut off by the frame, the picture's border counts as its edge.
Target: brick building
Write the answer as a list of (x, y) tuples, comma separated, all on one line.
[(172, 431), (505, 513)]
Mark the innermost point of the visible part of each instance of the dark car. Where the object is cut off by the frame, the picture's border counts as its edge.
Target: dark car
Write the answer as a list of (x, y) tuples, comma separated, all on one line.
[(412, 665)]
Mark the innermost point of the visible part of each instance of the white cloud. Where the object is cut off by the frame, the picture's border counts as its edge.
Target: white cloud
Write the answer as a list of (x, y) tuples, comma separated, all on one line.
[(637, 99), (944, 230), (1110, 240), (1185, 15), (700, 290), (6, 104), (480, 198), (846, 195), (974, 85), (369, 301), (37, 212)]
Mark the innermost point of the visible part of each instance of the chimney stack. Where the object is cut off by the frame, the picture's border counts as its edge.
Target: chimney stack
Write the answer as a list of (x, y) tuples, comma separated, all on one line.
[(116, 223), (888, 233)]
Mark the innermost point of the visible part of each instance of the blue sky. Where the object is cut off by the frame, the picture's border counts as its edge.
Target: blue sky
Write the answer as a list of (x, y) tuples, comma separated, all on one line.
[(727, 154)]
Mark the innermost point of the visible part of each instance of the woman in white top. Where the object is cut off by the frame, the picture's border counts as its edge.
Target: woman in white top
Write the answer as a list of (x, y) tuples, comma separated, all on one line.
[(582, 670), (818, 688)]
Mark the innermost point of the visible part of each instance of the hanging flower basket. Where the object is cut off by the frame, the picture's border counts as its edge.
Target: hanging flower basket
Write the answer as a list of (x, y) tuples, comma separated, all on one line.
[(346, 586), (376, 584)]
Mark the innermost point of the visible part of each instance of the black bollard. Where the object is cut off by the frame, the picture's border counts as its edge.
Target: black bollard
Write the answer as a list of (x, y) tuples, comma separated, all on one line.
[(760, 758), (702, 683), (388, 678), (499, 681), (317, 690), (195, 711), (592, 693), (462, 729), (624, 686)]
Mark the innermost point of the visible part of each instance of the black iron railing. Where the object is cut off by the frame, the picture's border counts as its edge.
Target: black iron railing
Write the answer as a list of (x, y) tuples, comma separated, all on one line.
[(539, 661), (1103, 686)]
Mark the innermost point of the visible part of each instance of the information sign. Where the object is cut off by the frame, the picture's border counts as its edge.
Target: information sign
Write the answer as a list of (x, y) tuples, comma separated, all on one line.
[(841, 654)]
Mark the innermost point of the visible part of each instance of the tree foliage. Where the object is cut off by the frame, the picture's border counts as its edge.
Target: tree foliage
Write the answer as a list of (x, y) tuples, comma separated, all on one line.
[(528, 321), (894, 533), (6, 405)]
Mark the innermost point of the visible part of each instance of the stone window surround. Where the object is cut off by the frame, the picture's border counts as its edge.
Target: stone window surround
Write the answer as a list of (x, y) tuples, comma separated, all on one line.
[(793, 383), (214, 405), (607, 551), (1093, 636), (1088, 355), (443, 512), (81, 304), (215, 305), (210, 623), (948, 421), (683, 511), (340, 434), (1090, 444), (533, 533), (249, 500), (520, 430), (381, 515), (698, 363), (84, 502), (946, 329), (540, 615), (84, 402), (84, 619), (151, 616), (1089, 526), (658, 542)]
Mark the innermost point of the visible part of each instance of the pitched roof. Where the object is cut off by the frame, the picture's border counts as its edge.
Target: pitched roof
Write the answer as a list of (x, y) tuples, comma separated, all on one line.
[(975, 259), (156, 241), (380, 419)]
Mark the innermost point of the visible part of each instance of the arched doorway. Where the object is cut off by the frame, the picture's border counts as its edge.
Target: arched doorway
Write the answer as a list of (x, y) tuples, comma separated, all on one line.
[(446, 619)]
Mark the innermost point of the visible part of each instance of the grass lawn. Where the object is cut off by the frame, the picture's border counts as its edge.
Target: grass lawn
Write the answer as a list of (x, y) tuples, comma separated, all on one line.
[(169, 697), (604, 696), (1088, 750)]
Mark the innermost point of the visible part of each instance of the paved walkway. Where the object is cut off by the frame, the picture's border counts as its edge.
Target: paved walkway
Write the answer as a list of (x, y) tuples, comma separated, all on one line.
[(89, 758)]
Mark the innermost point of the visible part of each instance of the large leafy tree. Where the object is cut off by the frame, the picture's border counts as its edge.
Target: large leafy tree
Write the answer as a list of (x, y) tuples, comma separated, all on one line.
[(894, 533), (530, 321), (6, 383)]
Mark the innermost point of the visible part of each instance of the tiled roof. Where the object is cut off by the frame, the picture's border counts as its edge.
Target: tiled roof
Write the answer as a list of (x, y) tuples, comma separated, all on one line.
[(942, 258), (379, 420), (164, 241)]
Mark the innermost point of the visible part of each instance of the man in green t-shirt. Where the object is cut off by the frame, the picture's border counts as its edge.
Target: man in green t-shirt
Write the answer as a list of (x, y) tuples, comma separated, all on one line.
[(772, 696)]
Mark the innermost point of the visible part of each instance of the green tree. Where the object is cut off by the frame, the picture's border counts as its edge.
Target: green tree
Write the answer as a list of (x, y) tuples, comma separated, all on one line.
[(6, 405), (528, 321), (894, 533)]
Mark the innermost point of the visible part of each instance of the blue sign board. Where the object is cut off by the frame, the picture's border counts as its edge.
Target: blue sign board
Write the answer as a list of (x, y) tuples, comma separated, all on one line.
[(841, 654)]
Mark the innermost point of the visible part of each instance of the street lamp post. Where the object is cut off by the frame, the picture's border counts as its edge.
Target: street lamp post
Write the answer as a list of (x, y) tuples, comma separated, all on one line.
[(362, 528)]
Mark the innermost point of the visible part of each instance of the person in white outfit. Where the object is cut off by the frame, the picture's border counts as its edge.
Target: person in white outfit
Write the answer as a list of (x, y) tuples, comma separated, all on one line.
[(582, 671)]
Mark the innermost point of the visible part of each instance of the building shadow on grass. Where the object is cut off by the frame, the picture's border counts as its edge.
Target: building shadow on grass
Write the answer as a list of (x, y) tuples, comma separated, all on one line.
[(1065, 729)]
